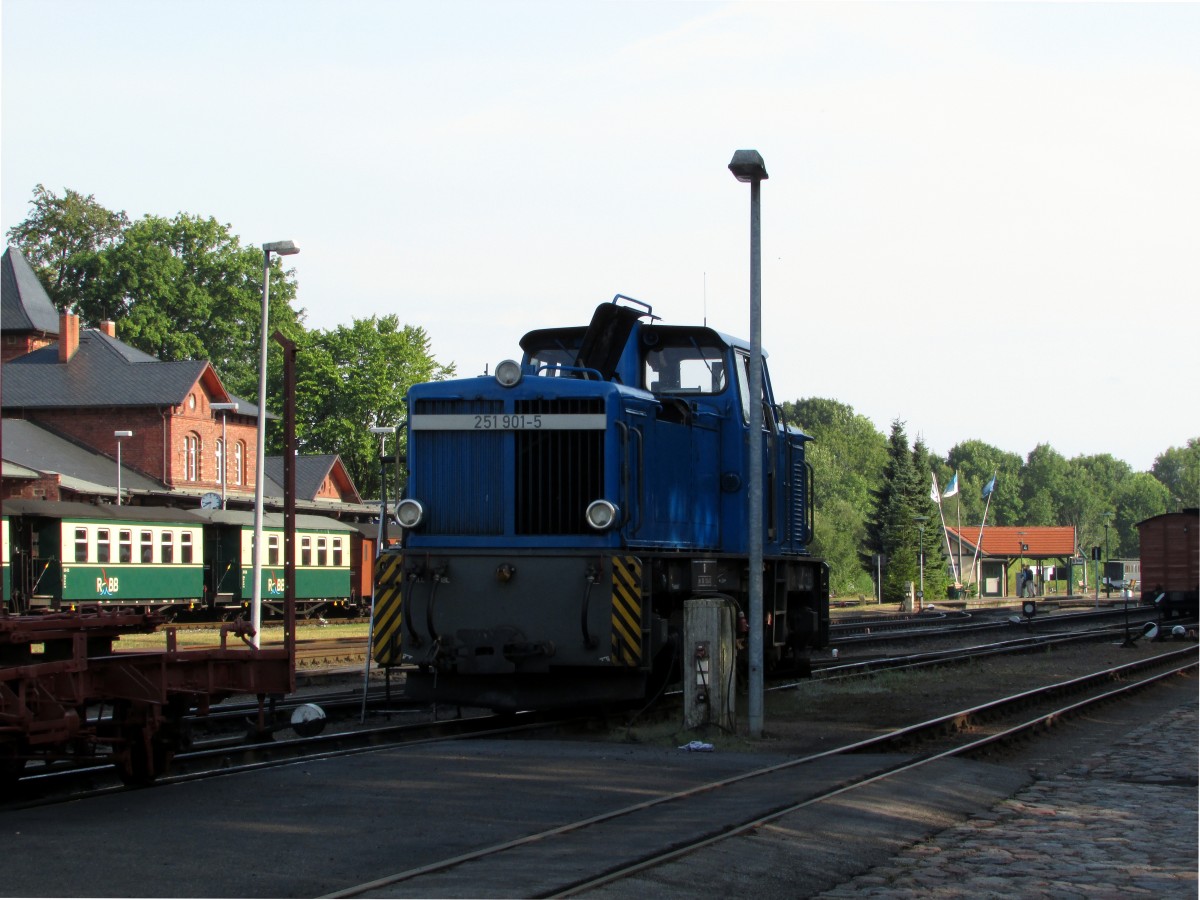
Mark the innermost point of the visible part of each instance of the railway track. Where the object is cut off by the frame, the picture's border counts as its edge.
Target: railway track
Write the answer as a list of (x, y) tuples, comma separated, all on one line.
[(564, 861), (241, 749), (226, 757), (921, 625)]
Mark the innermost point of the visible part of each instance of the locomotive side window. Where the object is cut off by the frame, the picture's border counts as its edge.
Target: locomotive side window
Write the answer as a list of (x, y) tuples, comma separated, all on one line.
[(147, 542), (272, 549), (124, 545), (81, 545), (185, 547), (743, 379), (103, 546), (687, 367), (168, 547)]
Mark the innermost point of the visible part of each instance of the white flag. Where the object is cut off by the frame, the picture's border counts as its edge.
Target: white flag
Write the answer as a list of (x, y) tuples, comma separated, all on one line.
[(933, 492)]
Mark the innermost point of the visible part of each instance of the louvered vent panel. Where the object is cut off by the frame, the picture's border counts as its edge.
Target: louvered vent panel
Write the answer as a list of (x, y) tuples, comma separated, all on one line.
[(798, 524), (460, 472)]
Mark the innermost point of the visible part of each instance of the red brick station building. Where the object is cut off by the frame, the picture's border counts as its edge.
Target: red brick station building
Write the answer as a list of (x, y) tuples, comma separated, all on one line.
[(65, 393)]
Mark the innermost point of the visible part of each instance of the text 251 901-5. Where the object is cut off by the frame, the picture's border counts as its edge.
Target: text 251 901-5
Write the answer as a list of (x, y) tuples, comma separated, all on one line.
[(495, 422)]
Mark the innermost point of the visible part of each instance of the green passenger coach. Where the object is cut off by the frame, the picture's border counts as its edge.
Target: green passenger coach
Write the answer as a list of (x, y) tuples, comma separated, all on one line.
[(323, 560), (65, 555)]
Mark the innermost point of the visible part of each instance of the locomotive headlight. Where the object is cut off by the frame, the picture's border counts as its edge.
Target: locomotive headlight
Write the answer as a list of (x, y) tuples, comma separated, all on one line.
[(508, 373), (602, 515), (409, 513)]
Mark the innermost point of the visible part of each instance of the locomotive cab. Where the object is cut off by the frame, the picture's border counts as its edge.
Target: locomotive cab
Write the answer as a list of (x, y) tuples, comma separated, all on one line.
[(560, 514)]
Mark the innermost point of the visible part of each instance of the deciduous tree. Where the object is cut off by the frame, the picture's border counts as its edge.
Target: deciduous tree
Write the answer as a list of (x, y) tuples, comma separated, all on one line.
[(62, 240)]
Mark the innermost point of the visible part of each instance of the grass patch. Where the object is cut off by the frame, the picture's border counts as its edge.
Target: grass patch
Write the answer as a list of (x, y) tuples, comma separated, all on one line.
[(211, 637)]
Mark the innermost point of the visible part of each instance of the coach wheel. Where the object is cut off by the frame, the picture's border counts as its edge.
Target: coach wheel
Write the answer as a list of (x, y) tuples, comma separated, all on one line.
[(148, 744)]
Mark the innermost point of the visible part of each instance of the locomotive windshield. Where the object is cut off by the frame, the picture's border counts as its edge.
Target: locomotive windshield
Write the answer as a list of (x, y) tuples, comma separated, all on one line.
[(550, 350), (684, 365)]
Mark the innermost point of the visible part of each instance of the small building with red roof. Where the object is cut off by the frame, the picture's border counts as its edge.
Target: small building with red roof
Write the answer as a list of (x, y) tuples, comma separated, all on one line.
[(987, 554)]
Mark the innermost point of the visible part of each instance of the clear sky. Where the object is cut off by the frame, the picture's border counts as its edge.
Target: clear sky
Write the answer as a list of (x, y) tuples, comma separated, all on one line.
[(981, 219)]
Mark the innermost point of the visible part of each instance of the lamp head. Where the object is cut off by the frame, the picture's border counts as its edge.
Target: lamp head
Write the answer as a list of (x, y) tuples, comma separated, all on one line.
[(748, 165), (122, 434), (282, 248)]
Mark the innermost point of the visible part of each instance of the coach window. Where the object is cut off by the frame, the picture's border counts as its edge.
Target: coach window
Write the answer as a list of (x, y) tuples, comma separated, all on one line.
[(81, 545), (337, 551), (147, 542), (306, 551), (272, 549), (124, 545), (185, 547), (103, 546), (167, 545), (322, 552)]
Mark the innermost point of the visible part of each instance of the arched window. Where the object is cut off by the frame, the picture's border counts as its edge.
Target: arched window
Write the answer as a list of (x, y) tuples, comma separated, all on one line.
[(219, 457), (191, 457), (239, 472)]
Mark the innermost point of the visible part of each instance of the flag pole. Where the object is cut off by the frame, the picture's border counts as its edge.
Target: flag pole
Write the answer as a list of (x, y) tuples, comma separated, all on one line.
[(936, 494), (988, 496), (958, 507)]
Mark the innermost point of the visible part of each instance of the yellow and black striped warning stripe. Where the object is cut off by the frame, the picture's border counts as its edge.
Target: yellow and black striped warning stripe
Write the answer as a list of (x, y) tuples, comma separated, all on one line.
[(389, 584), (627, 611)]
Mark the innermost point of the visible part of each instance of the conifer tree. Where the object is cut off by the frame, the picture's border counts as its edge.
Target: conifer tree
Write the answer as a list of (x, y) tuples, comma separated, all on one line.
[(891, 530)]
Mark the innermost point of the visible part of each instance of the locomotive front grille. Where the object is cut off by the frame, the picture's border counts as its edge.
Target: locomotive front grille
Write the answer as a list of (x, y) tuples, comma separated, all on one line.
[(467, 478), (557, 473)]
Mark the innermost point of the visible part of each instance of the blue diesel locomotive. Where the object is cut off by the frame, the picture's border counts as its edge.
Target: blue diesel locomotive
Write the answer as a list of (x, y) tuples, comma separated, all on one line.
[(558, 515)]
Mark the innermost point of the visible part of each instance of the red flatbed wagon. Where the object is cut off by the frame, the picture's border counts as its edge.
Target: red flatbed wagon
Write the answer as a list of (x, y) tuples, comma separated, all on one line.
[(55, 668)]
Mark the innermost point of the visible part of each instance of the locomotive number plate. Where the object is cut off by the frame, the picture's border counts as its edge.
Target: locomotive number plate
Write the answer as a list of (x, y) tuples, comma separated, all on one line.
[(507, 422)]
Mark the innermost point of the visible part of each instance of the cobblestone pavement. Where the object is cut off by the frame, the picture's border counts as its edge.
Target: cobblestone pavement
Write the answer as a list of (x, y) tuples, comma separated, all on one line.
[(1120, 824)]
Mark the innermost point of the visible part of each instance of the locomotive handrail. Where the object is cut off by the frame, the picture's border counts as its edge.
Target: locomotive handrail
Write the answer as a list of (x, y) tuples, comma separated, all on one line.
[(584, 370), (649, 309), (624, 491), (810, 504), (591, 579), (626, 430), (641, 475)]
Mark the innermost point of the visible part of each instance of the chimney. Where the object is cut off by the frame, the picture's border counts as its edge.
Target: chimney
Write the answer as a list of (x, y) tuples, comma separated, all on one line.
[(109, 327), (68, 335)]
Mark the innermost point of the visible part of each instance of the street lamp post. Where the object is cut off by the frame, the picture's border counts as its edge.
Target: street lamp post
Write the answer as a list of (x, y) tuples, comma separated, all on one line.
[(118, 435), (282, 248), (224, 408), (1107, 575), (921, 520), (748, 166), (383, 431)]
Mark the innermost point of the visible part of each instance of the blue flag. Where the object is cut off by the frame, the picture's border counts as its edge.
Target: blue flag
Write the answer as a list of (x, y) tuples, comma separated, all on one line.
[(988, 488), (951, 488)]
